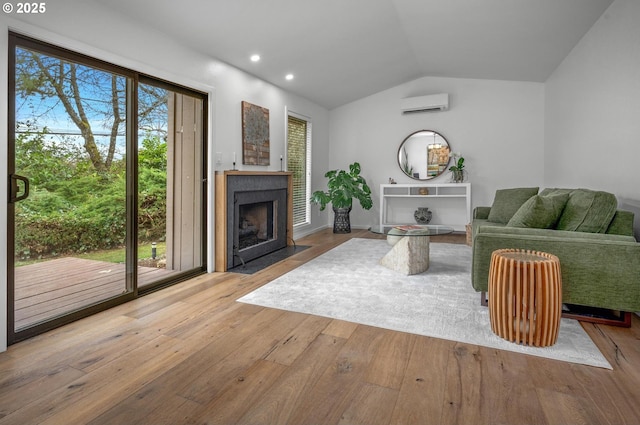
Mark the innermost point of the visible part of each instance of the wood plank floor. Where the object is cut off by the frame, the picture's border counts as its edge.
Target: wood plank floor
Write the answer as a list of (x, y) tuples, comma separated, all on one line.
[(191, 354)]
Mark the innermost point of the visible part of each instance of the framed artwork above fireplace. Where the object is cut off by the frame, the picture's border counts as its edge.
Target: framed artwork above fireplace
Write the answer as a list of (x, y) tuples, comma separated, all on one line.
[(255, 135)]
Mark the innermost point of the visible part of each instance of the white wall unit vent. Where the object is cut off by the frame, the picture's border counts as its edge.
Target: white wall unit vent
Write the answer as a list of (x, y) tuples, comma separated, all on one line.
[(429, 103)]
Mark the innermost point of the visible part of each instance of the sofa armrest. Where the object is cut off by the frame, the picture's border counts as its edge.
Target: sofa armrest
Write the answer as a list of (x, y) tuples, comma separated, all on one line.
[(622, 223), (598, 270), (481, 212)]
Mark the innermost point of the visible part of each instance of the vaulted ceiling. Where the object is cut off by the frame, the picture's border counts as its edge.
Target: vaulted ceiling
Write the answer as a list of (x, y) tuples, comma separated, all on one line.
[(343, 50)]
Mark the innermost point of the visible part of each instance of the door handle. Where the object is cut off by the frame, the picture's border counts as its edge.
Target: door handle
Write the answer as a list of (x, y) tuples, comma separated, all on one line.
[(15, 188)]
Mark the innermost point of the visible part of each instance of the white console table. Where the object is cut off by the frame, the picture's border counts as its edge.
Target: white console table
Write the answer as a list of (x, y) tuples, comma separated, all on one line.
[(450, 203)]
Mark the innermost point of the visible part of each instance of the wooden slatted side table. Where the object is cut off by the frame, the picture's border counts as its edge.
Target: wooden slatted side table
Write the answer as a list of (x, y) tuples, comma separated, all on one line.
[(525, 296)]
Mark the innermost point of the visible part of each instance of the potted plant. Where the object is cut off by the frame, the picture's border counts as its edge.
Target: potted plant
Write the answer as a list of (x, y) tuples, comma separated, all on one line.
[(408, 169), (457, 170), (342, 187)]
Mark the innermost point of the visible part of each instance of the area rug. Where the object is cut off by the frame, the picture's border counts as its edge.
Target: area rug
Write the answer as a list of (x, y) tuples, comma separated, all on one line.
[(347, 283)]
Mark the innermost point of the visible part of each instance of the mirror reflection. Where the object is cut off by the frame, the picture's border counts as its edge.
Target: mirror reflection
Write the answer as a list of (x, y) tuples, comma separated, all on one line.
[(424, 155)]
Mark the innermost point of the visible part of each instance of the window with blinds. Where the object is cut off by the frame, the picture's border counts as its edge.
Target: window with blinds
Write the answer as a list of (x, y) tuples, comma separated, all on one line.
[(299, 163)]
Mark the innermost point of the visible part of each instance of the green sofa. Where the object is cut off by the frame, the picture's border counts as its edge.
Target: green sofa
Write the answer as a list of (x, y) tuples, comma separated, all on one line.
[(599, 256)]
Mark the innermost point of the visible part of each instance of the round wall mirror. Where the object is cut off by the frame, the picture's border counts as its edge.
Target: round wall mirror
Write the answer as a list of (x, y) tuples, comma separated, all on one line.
[(424, 155)]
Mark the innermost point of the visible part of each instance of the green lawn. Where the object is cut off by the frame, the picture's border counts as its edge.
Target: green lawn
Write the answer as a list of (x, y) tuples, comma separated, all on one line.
[(111, 255), (118, 255)]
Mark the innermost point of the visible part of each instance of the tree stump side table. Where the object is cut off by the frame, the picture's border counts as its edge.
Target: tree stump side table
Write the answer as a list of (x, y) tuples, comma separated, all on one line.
[(525, 296)]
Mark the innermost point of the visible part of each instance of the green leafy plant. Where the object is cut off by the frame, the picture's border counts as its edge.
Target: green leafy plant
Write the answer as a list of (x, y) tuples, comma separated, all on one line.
[(408, 169), (458, 161), (342, 187), (458, 168), (74, 209)]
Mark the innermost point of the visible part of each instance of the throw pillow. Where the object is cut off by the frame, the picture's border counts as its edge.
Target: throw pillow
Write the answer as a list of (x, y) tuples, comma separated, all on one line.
[(554, 191), (540, 212), (508, 201), (588, 211)]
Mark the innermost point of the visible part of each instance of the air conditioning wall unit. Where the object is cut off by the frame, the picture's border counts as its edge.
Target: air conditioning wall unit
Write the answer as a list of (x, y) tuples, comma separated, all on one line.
[(429, 103)]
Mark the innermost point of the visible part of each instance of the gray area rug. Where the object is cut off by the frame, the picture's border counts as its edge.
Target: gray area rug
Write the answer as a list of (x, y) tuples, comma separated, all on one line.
[(347, 283)]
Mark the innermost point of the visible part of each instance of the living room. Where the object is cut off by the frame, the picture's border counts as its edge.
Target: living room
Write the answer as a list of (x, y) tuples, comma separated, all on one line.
[(577, 128)]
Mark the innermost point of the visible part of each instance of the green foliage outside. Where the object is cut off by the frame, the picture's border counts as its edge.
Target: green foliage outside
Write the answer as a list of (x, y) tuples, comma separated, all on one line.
[(77, 173), (152, 189), (72, 208)]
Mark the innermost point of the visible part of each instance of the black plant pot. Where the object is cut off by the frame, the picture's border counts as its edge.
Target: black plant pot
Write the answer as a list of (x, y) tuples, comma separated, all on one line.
[(341, 223)]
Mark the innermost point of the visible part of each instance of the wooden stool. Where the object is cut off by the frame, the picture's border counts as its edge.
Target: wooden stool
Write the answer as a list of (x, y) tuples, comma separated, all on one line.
[(525, 296)]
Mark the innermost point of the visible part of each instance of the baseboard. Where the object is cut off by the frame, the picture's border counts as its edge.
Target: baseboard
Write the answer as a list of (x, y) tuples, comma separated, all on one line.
[(301, 233)]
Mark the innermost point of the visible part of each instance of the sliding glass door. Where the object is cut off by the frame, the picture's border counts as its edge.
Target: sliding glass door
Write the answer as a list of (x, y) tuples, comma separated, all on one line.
[(170, 175), (106, 171)]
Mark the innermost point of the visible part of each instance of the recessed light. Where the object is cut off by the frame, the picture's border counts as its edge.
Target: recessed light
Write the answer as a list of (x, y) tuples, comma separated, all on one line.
[(255, 58), (289, 77)]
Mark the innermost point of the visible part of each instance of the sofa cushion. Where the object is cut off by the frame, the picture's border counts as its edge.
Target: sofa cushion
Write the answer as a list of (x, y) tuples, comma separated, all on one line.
[(540, 212), (586, 210), (508, 201)]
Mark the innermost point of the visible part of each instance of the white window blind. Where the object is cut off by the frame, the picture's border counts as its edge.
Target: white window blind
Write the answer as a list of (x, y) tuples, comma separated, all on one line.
[(299, 163)]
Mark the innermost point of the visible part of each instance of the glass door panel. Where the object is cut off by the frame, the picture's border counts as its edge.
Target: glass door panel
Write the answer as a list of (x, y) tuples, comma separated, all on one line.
[(68, 200), (170, 176)]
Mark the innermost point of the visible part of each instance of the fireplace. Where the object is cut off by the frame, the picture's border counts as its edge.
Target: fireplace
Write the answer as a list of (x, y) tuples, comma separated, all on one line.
[(252, 216), (258, 225), (255, 224)]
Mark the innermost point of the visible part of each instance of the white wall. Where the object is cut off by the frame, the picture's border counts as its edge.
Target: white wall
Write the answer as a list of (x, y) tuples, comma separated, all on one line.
[(498, 126), (592, 110), (90, 29)]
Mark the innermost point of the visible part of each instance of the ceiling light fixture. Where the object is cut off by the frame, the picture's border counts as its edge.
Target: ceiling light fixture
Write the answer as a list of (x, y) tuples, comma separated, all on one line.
[(289, 77), (255, 58)]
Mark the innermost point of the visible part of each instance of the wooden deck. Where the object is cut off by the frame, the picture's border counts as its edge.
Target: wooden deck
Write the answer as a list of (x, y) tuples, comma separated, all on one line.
[(51, 288)]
